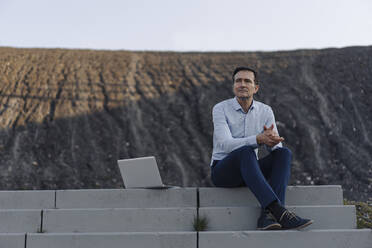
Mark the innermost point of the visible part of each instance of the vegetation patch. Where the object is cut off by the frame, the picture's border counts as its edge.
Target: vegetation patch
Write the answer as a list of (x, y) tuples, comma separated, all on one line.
[(363, 212), (200, 223)]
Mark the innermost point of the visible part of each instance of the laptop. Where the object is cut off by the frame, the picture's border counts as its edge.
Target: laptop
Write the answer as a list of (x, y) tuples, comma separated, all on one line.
[(141, 173)]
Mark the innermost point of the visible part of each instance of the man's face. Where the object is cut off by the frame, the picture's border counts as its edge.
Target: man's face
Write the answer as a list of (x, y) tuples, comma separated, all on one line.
[(244, 85)]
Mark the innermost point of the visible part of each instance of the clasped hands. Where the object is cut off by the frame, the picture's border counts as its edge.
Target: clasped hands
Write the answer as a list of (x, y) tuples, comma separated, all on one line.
[(269, 137)]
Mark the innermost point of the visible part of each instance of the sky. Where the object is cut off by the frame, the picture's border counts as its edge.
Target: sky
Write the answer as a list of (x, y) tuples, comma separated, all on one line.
[(186, 25)]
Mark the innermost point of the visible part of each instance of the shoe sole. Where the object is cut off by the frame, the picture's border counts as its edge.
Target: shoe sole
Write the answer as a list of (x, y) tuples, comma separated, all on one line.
[(275, 226), (300, 227), (305, 225)]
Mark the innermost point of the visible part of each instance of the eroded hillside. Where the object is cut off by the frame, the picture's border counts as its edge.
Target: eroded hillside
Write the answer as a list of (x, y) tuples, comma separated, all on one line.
[(68, 115)]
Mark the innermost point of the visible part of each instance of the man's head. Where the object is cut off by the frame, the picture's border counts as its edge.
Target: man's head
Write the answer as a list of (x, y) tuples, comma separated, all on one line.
[(244, 68), (245, 82)]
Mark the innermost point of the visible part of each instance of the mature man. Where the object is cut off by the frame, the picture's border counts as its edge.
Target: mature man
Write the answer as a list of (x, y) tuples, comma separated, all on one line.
[(241, 125)]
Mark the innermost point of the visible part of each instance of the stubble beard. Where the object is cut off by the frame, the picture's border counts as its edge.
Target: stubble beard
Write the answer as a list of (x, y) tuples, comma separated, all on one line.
[(243, 98)]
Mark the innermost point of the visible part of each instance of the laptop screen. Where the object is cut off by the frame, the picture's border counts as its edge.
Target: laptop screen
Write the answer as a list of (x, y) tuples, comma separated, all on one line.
[(140, 172)]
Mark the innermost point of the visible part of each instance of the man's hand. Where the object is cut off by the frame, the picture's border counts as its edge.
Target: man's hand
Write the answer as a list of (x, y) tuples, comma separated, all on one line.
[(269, 137)]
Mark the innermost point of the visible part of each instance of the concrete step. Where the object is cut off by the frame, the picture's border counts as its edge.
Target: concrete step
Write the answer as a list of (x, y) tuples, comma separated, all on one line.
[(27, 199), (245, 218), (160, 198), (330, 238), (295, 195), (348, 238), (119, 220), (113, 240), (164, 218), (12, 240), (127, 198), (19, 221)]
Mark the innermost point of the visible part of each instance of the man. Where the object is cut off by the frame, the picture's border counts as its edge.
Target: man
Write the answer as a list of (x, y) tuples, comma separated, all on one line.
[(241, 124)]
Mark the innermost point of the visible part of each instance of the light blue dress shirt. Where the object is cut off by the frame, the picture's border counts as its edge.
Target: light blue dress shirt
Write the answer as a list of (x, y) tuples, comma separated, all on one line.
[(233, 128)]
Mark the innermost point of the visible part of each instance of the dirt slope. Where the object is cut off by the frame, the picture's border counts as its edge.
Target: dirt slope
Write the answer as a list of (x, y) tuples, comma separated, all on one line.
[(66, 116)]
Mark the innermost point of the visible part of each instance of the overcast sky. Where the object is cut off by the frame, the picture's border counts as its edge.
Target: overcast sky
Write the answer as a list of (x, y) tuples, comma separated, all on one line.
[(189, 25)]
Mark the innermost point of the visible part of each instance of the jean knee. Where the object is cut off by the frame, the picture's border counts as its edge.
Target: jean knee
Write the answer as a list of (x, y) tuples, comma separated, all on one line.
[(285, 151)]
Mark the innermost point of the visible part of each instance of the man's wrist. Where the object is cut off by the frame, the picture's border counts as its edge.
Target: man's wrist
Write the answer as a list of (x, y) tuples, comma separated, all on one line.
[(258, 139)]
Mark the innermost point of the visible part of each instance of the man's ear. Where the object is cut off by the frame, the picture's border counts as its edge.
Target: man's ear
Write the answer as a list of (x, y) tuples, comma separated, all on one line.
[(256, 87)]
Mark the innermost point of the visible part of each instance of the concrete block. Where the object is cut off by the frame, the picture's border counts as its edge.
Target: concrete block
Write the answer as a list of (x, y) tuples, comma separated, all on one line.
[(245, 218), (118, 220), (295, 195), (357, 238), (127, 198), (27, 199), (113, 240), (19, 221), (12, 240)]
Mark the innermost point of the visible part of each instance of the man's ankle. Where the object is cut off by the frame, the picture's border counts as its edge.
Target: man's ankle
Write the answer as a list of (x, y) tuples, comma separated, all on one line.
[(276, 209)]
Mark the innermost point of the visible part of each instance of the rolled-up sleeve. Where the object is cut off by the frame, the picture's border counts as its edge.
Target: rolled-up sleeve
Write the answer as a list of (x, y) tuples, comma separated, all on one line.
[(222, 134)]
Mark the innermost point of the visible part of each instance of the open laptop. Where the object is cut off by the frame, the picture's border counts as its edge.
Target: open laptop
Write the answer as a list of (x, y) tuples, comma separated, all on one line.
[(141, 173)]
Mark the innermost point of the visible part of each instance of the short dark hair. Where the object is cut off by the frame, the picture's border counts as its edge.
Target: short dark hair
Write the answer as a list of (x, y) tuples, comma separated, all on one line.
[(244, 68)]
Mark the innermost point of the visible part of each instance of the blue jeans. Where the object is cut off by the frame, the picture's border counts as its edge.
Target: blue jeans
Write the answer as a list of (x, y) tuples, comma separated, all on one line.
[(267, 178)]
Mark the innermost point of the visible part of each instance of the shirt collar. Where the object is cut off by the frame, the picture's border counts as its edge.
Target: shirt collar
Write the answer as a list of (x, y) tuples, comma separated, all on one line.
[(237, 106)]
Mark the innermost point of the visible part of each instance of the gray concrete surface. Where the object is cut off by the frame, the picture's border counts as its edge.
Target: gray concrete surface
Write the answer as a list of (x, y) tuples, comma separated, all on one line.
[(12, 240), (118, 220), (126, 198), (19, 221), (27, 199), (113, 240), (361, 238), (245, 218), (295, 195), (163, 219)]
